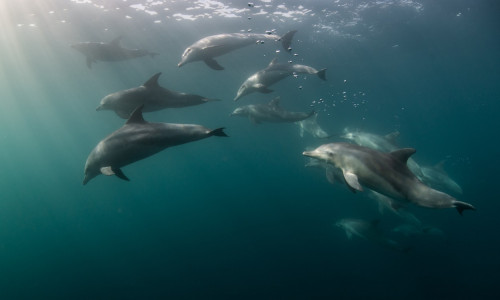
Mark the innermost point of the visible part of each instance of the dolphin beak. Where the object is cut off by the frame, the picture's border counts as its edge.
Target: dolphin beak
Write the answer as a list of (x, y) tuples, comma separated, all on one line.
[(308, 153), (98, 108), (180, 64)]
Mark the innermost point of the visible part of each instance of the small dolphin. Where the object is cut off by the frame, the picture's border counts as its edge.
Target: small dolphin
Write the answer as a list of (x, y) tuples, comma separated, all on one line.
[(260, 81), (213, 46), (271, 112), (437, 178), (370, 232), (386, 143), (112, 51), (151, 95), (138, 139), (311, 126), (386, 173)]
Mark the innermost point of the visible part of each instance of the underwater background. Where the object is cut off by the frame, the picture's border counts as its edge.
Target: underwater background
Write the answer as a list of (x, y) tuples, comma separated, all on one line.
[(242, 217)]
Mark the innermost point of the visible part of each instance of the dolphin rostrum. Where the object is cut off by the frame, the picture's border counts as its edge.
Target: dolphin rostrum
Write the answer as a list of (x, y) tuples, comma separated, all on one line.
[(112, 51), (151, 95), (369, 231), (270, 112), (138, 139), (260, 81), (213, 46), (386, 173)]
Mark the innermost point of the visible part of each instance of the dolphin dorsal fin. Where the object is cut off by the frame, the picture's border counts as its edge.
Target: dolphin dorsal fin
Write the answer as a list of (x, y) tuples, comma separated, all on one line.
[(136, 116), (273, 62), (275, 102), (392, 137), (403, 154), (116, 41), (153, 81)]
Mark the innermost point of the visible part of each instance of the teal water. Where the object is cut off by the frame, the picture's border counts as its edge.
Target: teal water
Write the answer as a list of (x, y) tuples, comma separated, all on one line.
[(241, 217)]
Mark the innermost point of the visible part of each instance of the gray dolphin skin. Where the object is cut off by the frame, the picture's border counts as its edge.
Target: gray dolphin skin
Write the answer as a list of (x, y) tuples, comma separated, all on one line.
[(369, 231), (138, 139), (260, 81), (113, 51), (311, 126), (437, 178), (384, 143), (270, 112), (213, 46), (151, 95), (386, 173)]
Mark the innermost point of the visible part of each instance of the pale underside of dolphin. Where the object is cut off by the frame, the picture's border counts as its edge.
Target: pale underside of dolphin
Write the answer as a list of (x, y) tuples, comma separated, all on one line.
[(113, 51), (213, 46), (386, 173), (138, 139), (152, 96), (270, 112), (274, 72)]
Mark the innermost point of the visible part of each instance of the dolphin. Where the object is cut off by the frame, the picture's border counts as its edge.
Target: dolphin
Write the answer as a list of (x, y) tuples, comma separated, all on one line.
[(411, 230), (138, 139), (151, 95), (437, 178), (271, 112), (311, 126), (393, 206), (213, 46), (385, 143), (112, 51), (260, 81), (386, 173), (369, 231)]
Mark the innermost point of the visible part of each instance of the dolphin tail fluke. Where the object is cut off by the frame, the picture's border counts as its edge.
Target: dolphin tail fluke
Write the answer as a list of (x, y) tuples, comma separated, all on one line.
[(286, 40), (218, 132), (461, 206), (322, 74)]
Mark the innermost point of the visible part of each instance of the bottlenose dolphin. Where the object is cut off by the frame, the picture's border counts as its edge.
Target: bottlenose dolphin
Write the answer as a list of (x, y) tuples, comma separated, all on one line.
[(138, 139), (260, 81), (151, 95), (112, 51), (368, 231), (437, 178), (385, 143), (270, 112), (213, 46), (386, 173), (311, 126)]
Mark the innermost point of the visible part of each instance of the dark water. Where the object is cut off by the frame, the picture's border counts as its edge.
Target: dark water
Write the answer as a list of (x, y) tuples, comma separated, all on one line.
[(241, 217)]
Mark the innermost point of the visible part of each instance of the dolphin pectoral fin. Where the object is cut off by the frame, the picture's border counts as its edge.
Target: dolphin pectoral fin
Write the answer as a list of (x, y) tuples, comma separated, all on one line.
[(461, 206), (108, 171), (330, 175), (213, 64), (352, 180), (119, 174)]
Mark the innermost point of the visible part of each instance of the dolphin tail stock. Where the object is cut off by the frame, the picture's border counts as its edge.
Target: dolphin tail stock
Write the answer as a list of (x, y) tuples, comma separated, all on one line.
[(322, 74), (286, 40), (218, 132), (461, 206)]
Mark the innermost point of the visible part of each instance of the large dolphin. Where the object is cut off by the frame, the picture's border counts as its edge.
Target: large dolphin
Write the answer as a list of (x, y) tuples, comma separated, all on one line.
[(270, 112), (386, 173), (369, 231), (112, 51), (138, 139), (386, 143), (151, 95), (437, 178), (260, 81), (213, 46), (311, 126)]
